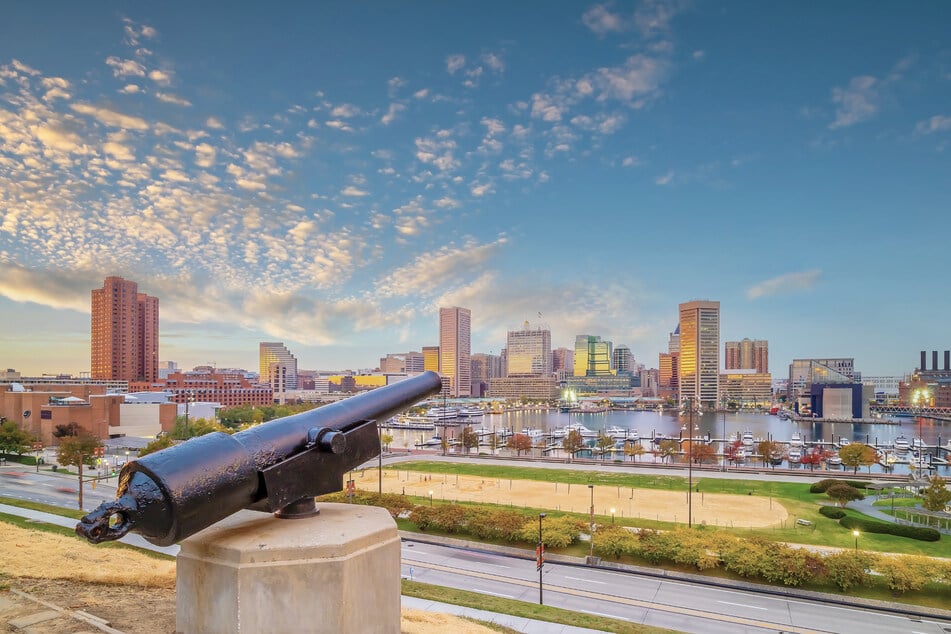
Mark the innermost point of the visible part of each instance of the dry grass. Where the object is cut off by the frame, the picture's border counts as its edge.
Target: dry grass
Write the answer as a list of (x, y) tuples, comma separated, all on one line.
[(716, 509), (134, 593)]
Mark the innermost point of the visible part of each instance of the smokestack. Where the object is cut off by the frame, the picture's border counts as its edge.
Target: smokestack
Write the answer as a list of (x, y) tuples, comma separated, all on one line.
[(922, 367), (934, 360), (947, 360)]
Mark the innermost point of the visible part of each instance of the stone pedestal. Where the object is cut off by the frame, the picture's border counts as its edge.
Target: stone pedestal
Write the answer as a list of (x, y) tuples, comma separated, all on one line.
[(253, 573)]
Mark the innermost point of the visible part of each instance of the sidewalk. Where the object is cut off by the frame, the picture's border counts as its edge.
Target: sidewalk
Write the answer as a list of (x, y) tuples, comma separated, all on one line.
[(520, 624)]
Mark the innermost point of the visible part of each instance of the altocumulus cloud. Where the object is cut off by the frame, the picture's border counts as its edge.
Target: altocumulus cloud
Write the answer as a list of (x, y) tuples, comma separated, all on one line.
[(801, 281)]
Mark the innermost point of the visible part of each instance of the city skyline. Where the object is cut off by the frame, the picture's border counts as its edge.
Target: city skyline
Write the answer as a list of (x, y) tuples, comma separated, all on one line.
[(329, 176)]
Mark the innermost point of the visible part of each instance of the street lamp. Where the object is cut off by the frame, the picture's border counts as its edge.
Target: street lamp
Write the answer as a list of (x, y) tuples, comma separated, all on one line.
[(540, 557), (612, 515), (188, 399), (430, 497), (591, 523), (856, 535), (693, 428)]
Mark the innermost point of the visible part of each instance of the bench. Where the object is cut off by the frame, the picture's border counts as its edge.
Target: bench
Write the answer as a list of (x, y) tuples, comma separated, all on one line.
[(803, 522)]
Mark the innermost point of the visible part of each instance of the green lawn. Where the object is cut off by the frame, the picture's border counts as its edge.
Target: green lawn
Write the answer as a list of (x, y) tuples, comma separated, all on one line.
[(888, 503), (794, 496), (524, 609)]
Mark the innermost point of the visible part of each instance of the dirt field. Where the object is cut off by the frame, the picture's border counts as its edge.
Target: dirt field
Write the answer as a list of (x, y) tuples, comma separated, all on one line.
[(716, 509), (130, 592)]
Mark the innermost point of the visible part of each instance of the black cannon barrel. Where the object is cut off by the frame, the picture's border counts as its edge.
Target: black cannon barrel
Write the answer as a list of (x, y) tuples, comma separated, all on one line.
[(174, 493)]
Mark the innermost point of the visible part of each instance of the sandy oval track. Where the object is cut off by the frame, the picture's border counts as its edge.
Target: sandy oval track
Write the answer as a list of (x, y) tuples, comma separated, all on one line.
[(716, 509)]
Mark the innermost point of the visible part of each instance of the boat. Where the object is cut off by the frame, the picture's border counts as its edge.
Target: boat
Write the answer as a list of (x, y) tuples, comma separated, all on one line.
[(585, 432), (591, 407), (534, 433), (901, 444), (834, 460), (747, 438), (795, 440), (471, 412), (435, 441), (917, 443), (409, 422), (442, 413), (617, 432), (795, 455)]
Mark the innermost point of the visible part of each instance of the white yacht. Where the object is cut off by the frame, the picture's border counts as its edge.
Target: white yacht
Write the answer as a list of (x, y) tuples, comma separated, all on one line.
[(795, 455), (747, 438), (442, 413), (585, 432), (795, 440), (617, 432), (901, 444)]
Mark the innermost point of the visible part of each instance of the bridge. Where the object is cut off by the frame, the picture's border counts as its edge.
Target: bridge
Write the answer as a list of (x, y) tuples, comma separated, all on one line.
[(908, 410)]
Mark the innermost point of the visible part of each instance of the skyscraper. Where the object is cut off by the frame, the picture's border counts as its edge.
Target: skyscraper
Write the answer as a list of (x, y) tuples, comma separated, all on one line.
[(746, 355), (431, 358), (278, 366), (622, 362), (699, 361), (125, 332), (454, 349), (528, 352), (592, 356)]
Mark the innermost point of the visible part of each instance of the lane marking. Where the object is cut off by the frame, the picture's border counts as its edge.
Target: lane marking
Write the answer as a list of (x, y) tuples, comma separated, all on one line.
[(743, 605), (610, 616), (713, 616), (603, 583), (499, 594)]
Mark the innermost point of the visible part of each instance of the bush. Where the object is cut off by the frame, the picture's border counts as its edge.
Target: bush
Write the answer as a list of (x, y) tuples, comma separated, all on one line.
[(847, 569), (823, 485), (832, 512), (920, 533)]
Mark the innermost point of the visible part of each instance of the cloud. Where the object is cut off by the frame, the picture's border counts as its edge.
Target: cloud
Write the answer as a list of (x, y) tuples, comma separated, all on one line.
[(630, 161), (205, 155), (111, 117), (390, 116), (172, 99), (494, 62), (214, 123), (352, 191), (454, 63), (345, 110), (130, 89), (857, 102), (161, 77), (125, 67), (430, 272), (602, 21), (790, 282), (937, 123), (422, 93)]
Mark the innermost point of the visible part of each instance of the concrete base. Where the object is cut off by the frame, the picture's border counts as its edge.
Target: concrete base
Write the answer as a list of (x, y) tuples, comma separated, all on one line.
[(253, 573)]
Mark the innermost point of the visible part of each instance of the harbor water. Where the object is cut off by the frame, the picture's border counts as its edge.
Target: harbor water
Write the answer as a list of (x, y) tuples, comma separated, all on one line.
[(715, 426)]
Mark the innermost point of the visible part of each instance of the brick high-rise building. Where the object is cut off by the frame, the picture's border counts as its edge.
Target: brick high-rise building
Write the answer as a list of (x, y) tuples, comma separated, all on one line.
[(125, 332), (746, 355)]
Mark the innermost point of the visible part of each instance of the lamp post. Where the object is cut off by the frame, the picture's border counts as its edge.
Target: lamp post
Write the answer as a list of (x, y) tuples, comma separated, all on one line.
[(430, 497), (856, 535), (612, 515), (188, 398), (591, 523), (541, 557), (690, 466)]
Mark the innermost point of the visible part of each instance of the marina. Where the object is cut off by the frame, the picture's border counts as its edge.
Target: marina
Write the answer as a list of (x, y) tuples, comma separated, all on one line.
[(902, 445)]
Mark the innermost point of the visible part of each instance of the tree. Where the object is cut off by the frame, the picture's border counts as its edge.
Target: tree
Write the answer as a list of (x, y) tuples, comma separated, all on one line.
[(811, 458), (767, 448), (937, 495), (62, 431), (386, 440), (520, 443), (857, 455), (702, 452), (842, 493), (668, 448), (734, 451), (470, 439), (634, 449), (573, 442), (604, 443), (13, 439), (75, 451), (163, 442)]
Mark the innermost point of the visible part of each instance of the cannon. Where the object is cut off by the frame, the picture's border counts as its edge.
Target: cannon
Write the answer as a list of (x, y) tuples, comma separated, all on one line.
[(278, 467)]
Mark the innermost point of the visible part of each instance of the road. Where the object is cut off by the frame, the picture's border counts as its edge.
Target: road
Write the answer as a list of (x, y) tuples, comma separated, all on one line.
[(631, 597), (676, 605)]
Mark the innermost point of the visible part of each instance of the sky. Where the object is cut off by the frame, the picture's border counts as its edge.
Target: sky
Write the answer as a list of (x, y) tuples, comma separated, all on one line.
[(329, 174)]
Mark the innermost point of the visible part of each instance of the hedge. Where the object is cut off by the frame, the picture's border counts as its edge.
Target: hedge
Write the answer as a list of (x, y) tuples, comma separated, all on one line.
[(832, 512), (871, 526), (823, 485)]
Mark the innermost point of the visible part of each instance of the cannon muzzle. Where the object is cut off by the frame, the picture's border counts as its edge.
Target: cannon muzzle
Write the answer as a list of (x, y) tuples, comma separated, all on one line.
[(277, 467)]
